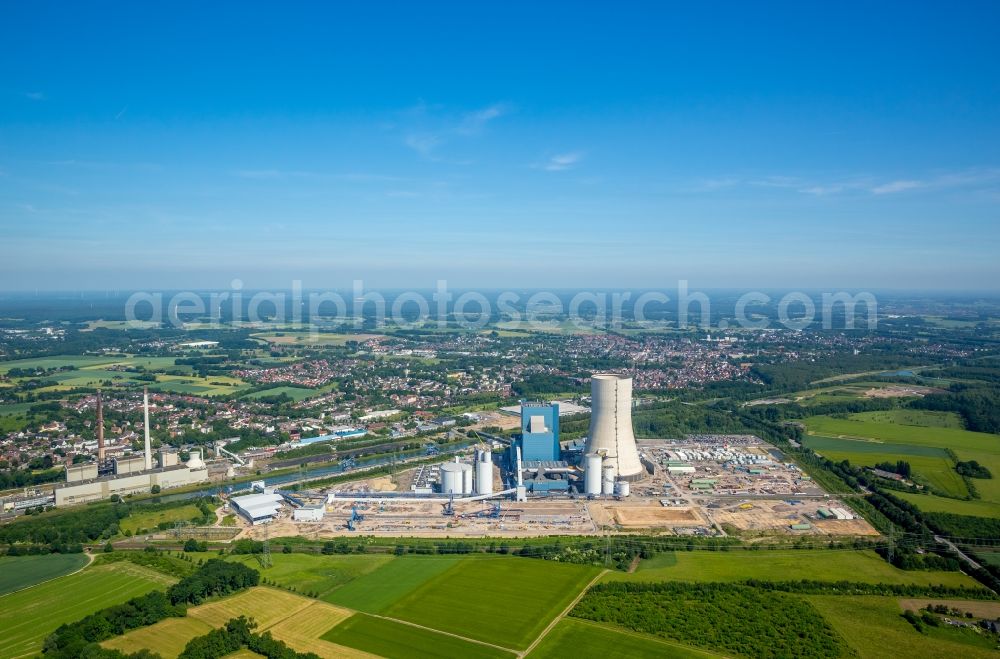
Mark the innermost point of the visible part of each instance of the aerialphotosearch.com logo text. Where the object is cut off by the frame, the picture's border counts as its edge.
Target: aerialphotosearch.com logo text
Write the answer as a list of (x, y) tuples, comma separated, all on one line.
[(442, 308)]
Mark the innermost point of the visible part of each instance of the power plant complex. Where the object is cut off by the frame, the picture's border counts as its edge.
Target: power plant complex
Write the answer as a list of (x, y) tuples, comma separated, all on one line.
[(537, 464), (131, 474)]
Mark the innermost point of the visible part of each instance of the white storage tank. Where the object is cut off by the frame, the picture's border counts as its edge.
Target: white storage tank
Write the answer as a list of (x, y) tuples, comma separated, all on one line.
[(608, 482), (592, 474), (484, 473), (466, 478), (622, 488), (451, 478)]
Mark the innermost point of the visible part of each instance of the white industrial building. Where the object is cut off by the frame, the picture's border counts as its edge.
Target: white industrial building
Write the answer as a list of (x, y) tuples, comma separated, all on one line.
[(257, 508), (308, 514)]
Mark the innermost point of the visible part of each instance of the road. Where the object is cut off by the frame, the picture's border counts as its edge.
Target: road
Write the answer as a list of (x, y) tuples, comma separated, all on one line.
[(950, 545)]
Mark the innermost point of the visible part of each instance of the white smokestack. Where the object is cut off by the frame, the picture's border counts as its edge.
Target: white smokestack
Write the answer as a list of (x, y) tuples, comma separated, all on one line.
[(145, 411), (520, 479), (611, 423)]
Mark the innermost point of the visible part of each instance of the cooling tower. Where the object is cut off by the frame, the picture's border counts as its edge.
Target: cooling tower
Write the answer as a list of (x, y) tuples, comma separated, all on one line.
[(611, 424)]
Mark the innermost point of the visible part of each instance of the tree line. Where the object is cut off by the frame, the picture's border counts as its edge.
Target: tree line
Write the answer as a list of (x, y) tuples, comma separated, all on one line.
[(214, 577)]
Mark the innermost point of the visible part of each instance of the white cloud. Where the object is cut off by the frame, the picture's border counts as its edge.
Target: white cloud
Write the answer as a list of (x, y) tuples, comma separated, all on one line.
[(428, 128), (423, 143), (561, 162), (896, 186), (474, 122)]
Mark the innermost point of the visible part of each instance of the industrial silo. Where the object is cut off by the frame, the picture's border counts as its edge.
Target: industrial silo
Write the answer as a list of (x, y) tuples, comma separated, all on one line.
[(608, 480), (484, 473), (451, 478), (611, 424), (466, 478), (623, 488), (592, 473)]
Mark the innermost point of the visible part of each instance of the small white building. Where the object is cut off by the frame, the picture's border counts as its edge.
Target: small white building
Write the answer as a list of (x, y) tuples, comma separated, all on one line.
[(308, 514)]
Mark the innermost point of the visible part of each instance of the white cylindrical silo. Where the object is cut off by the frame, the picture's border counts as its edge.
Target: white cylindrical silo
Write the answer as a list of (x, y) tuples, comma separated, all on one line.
[(611, 423), (592, 473), (608, 480), (466, 478), (484, 474), (623, 488), (451, 478)]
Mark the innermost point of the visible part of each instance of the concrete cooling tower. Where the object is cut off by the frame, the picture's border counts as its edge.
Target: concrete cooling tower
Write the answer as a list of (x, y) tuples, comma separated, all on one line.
[(611, 424)]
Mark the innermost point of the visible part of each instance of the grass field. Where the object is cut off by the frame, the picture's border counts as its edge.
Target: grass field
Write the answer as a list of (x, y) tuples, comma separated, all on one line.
[(932, 504), (788, 565), (378, 590), (590, 640), (874, 627), (215, 385), (93, 371), (929, 463), (320, 574), (311, 338), (28, 616), (919, 418), (528, 592), (149, 520), (297, 620), (295, 393), (265, 605), (167, 637), (62, 361), (893, 435), (396, 640), (17, 572), (302, 631), (862, 425)]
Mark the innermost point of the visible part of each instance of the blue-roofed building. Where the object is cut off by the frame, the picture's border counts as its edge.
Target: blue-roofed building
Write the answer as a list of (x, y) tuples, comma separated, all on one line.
[(539, 431)]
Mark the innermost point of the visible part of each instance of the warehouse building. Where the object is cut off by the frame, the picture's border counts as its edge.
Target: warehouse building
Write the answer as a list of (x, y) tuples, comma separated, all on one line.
[(258, 508)]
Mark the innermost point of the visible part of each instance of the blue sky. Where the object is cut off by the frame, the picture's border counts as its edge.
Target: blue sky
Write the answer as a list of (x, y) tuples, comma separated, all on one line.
[(504, 144)]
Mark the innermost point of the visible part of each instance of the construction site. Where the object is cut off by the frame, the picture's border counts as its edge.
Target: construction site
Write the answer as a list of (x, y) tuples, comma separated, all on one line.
[(533, 485)]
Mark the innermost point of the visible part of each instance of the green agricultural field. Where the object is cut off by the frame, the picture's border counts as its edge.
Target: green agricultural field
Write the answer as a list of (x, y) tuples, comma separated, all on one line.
[(378, 590), (62, 361), (932, 504), (295, 393), (214, 385), (591, 640), (149, 520), (918, 418), (897, 439), (862, 426), (529, 593), (28, 616), (396, 640), (932, 464), (782, 565), (317, 573), (15, 409), (13, 417), (17, 572), (120, 324), (311, 338), (875, 629)]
